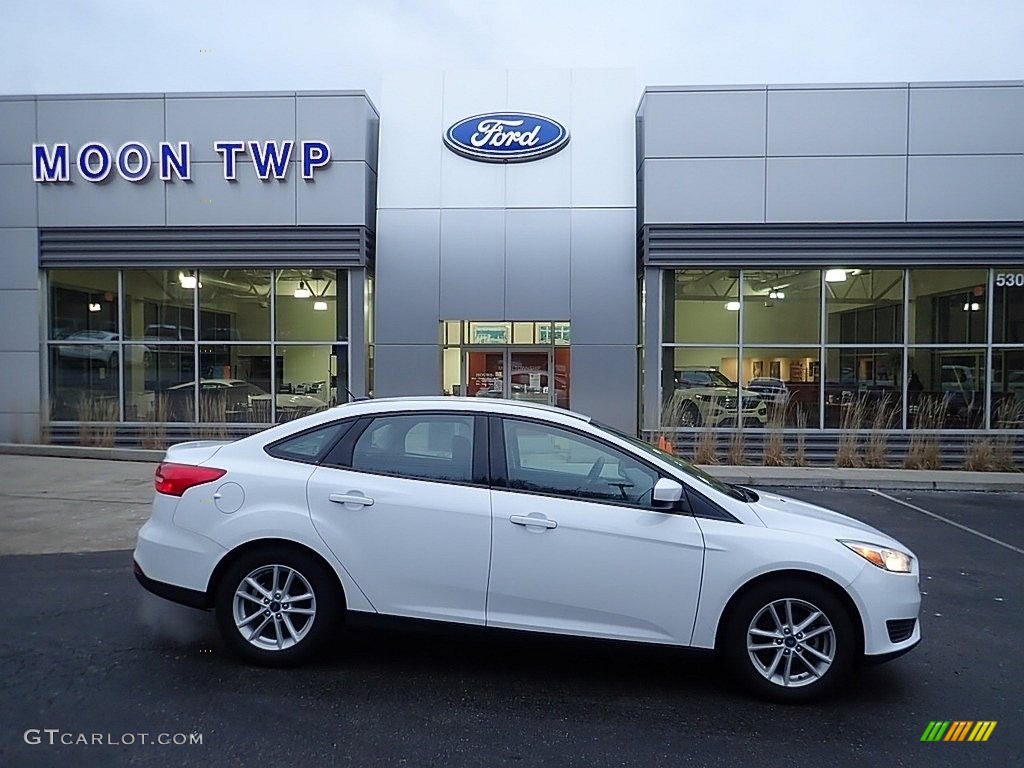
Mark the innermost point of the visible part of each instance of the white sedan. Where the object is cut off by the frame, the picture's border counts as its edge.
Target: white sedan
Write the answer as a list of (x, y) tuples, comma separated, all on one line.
[(522, 516)]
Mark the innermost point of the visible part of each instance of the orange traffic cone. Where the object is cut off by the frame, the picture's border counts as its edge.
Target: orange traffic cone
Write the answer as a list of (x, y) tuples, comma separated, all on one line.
[(665, 444)]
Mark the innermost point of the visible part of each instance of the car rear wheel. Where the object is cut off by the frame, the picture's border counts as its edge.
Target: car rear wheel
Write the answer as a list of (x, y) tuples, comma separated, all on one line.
[(277, 607), (790, 641)]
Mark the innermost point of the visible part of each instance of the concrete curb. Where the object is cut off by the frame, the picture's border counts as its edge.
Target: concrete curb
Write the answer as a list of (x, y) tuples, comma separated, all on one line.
[(83, 452), (757, 477)]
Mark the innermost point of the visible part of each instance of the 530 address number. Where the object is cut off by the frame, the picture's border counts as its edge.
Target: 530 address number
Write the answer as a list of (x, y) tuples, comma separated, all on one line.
[(1010, 279)]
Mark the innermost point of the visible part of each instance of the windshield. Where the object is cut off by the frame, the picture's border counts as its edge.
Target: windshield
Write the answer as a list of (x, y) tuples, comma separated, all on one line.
[(718, 380), (696, 473)]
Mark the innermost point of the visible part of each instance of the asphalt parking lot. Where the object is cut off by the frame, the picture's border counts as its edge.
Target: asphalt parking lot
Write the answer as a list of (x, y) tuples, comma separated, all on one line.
[(85, 650)]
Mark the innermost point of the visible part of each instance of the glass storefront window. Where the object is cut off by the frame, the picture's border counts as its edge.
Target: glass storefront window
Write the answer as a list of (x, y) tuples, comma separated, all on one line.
[(866, 308), (699, 386), (160, 305), (1008, 388), (946, 388), (311, 305), (1008, 306), (234, 383), (701, 306), (868, 374), (83, 382), (948, 306), (83, 305), (787, 380), (781, 306), (159, 382), (308, 377), (234, 305)]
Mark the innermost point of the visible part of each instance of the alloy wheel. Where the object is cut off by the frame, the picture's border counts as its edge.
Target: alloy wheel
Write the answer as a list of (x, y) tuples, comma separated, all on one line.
[(274, 607), (791, 642)]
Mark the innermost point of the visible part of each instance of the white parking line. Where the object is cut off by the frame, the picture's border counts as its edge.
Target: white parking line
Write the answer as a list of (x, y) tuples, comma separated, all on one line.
[(954, 523)]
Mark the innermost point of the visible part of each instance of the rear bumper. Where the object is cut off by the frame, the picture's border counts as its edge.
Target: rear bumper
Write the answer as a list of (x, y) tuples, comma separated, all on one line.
[(190, 597)]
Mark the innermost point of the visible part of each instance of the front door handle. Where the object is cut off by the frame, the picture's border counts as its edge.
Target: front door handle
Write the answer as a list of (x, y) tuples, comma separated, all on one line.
[(541, 522), (351, 498)]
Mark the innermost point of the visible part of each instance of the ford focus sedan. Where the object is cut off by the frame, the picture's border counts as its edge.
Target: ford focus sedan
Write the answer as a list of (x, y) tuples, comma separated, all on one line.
[(519, 516)]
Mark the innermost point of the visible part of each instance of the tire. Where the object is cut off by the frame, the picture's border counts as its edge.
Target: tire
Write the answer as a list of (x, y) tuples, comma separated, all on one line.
[(808, 675), (690, 416), (280, 632)]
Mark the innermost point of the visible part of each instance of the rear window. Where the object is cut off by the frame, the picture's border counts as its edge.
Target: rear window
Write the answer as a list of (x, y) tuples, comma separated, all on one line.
[(310, 446)]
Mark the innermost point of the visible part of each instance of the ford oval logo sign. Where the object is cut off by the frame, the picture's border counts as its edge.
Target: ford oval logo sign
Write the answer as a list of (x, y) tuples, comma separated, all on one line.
[(506, 137)]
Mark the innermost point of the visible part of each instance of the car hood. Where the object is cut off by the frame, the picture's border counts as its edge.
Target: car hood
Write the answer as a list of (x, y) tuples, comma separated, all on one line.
[(786, 514), (294, 401), (721, 391)]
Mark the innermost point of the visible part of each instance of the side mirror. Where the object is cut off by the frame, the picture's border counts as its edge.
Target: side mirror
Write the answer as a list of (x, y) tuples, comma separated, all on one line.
[(667, 491)]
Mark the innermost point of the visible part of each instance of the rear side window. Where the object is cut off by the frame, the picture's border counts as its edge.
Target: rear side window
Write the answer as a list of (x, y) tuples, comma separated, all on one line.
[(310, 446), (427, 447)]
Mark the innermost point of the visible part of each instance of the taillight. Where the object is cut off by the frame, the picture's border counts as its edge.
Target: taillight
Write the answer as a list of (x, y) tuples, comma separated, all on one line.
[(175, 479)]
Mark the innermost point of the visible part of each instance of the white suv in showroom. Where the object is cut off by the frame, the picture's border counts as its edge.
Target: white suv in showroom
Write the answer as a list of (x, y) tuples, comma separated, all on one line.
[(706, 397)]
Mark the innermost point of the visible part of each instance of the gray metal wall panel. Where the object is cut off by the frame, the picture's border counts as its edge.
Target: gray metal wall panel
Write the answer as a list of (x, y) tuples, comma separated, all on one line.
[(19, 381), (17, 196), (357, 365), (703, 190), (603, 289), (410, 160), (406, 369), (966, 120), (210, 200), (19, 260), (604, 383), (18, 128), (602, 102), (836, 189), (206, 120), (472, 264), (705, 124), (546, 183), (21, 326), (336, 195), (469, 184), (408, 279), (115, 203), (19, 427), (966, 188), (858, 121), (347, 123), (111, 121), (537, 264)]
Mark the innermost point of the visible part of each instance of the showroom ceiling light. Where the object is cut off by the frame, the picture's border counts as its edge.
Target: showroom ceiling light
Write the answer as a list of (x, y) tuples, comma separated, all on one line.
[(733, 306), (776, 294), (971, 306), (320, 306), (94, 306), (835, 276), (302, 292), (189, 282)]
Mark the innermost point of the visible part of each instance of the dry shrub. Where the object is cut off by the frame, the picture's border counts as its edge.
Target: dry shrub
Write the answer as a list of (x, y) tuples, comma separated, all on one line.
[(97, 421), (44, 433), (214, 411), (876, 453), (705, 448), (773, 449), (924, 450), (154, 433), (1009, 417), (848, 452), (979, 457), (737, 448), (800, 454)]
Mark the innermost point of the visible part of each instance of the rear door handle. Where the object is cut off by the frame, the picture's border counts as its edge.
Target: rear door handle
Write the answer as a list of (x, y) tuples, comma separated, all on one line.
[(541, 522), (351, 498)]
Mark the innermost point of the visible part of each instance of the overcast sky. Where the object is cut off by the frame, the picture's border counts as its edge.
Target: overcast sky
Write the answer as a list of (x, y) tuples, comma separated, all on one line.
[(70, 46)]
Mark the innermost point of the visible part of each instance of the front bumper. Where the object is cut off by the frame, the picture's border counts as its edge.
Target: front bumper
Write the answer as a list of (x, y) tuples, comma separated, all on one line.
[(881, 597)]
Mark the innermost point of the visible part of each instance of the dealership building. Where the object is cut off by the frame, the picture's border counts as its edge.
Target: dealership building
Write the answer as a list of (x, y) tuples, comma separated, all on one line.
[(181, 264)]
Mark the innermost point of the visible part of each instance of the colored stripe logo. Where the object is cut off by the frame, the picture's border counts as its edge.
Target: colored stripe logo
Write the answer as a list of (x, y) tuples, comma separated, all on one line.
[(958, 730)]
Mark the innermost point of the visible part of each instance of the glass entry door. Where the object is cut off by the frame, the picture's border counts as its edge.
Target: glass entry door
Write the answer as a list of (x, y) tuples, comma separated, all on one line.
[(516, 374)]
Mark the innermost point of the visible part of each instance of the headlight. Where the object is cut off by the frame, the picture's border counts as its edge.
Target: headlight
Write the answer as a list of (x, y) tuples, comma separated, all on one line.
[(887, 559), (701, 397)]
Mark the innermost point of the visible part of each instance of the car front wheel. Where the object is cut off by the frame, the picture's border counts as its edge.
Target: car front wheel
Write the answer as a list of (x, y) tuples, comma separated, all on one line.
[(277, 607), (790, 641)]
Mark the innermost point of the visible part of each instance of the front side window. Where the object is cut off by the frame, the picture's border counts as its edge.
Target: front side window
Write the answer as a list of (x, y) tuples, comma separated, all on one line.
[(425, 447), (546, 459)]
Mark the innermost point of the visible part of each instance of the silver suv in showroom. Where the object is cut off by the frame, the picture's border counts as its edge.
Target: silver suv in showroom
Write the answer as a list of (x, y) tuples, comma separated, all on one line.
[(704, 396)]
